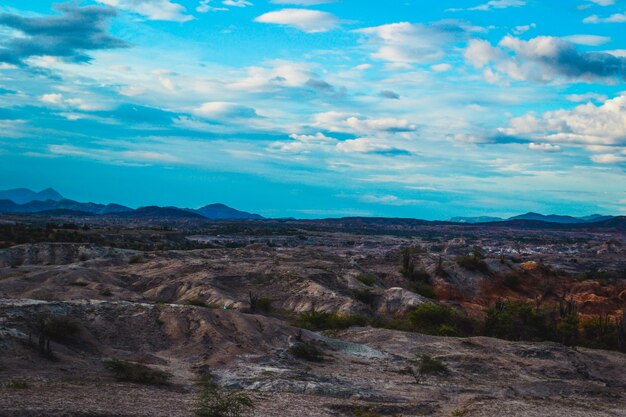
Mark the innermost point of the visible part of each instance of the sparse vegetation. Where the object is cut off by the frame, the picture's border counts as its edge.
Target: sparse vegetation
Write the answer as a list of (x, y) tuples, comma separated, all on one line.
[(431, 366), (473, 262), (366, 296), (422, 288), (17, 384), (57, 328), (135, 259), (307, 351), (365, 412), (136, 372), (260, 304), (216, 401), (320, 320), (440, 320), (367, 279)]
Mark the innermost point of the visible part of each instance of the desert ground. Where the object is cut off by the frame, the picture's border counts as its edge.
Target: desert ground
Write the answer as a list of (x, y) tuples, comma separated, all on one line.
[(233, 298)]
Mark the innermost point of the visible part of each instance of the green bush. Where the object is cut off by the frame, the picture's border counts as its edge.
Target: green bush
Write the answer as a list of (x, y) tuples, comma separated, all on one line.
[(264, 304), (365, 296), (423, 288), (367, 279), (319, 320), (516, 320), (135, 259), (137, 373), (429, 365), (473, 263), (307, 351), (216, 401), (440, 320)]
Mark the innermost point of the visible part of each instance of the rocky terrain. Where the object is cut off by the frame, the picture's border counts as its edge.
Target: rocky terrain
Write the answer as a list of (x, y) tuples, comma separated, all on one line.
[(233, 302)]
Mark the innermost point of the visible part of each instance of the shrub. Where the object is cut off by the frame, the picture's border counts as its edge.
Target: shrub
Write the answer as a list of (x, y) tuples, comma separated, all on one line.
[(440, 320), (515, 320), (423, 288), (367, 279), (319, 320), (60, 329), (264, 304), (472, 263), (429, 365), (366, 296), (307, 351), (137, 373), (216, 401), (365, 412), (135, 259)]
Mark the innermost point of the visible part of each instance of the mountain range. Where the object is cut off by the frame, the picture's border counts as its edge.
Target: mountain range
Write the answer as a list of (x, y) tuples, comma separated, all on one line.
[(551, 218), (50, 202)]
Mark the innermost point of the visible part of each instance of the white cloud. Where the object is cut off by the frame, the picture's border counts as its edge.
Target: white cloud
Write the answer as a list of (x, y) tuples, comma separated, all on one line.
[(588, 40), (277, 75), (310, 21), (57, 99), (363, 145), (499, 4), (544, 147), (303, 2), (221, 110), (608, 158), (52, 98), (603, 2), (492, 4), (111, 155), (479, 53), (152, 9), (587, 124), (204, 7), (545, 59), (614, 18), (518, 30), (344, 122), (584, 98), (441, 67), (408, 43), (236, 3)]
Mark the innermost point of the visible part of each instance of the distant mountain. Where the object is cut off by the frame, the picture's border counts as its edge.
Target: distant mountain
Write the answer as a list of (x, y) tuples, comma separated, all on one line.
[(155, 212), (596, 218), (24, 195), (473, 220), (223, 212), (8, 206), (553, 218)]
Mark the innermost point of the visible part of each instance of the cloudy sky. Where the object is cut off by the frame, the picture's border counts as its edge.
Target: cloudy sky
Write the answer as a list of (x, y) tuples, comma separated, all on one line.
[(319, 108)]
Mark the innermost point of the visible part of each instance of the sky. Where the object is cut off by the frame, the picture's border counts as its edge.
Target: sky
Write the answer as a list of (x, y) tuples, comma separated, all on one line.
[(319, 108)]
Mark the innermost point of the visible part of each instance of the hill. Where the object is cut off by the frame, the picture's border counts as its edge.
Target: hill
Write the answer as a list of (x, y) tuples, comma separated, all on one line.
[(223, 212)]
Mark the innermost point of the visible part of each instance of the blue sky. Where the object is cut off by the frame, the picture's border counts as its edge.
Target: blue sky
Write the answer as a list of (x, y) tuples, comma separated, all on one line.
[(313, 108)]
